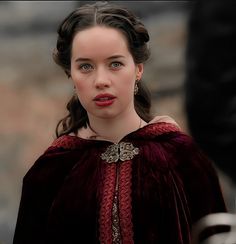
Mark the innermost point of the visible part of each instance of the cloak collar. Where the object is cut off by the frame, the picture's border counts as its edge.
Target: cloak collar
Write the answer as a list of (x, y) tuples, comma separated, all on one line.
[(158, 126)]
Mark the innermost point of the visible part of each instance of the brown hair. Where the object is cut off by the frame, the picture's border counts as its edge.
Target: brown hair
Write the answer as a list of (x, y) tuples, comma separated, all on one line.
[(110, 15)]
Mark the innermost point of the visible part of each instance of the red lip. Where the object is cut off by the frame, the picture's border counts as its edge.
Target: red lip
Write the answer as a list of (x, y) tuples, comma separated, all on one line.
[(103, 96), (103, 100)]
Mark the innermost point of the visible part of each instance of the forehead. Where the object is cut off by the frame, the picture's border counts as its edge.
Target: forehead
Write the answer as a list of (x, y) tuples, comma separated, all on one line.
[(99, 40)]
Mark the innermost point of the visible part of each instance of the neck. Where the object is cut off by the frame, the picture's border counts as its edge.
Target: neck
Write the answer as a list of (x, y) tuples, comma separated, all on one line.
[(113, 129)]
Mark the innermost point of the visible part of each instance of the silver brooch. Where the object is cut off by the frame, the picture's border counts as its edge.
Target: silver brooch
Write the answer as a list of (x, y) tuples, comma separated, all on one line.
[(122, 151)]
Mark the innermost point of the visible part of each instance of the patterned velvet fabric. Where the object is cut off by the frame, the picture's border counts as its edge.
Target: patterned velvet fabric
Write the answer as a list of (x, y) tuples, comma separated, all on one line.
[(68, 193)]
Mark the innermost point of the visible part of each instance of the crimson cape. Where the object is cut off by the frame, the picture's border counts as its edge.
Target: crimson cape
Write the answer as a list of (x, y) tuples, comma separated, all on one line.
[(67, 194)]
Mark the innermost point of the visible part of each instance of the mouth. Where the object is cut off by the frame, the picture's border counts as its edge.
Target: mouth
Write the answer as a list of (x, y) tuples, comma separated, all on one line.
[(102, 100)]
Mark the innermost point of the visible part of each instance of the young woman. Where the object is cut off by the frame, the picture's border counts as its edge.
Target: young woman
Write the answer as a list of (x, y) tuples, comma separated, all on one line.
[(114, 174)]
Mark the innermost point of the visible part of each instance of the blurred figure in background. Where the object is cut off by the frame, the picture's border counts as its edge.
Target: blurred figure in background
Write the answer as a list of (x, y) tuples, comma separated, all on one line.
[(210, 91)]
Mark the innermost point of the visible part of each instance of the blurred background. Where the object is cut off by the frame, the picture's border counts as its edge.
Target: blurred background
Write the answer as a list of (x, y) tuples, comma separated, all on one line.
[(34, 90)]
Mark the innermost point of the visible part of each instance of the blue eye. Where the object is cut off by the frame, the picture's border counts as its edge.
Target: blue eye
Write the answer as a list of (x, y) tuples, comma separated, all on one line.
[(116, 64), (85, 67)]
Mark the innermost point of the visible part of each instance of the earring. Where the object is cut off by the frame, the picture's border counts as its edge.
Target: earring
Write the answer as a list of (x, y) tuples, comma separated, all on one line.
[(136, 87), (75, 93)]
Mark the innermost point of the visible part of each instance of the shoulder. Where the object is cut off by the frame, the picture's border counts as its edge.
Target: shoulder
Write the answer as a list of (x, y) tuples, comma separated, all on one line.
[(162, 128), (165, 137), (160, 125), (66, 142), (168, 128), (163, 143), (59, 157)]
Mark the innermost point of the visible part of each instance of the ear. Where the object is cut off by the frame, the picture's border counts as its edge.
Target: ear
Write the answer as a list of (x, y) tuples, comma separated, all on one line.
[(139, 71)]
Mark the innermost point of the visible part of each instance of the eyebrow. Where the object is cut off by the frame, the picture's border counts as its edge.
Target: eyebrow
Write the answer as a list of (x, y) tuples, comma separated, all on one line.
[(112, 57)]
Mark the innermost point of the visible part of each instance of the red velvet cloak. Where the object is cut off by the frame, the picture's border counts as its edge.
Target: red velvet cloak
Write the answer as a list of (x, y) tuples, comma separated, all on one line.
[(67, 194)]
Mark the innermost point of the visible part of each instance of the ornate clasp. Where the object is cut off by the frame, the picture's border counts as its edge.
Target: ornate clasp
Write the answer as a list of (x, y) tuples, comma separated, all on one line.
[(122, 151)]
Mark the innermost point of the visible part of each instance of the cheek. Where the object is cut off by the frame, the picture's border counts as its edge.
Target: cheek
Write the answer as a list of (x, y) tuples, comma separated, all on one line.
[(80, 85), (130, 76), (83, 94), (128, 82), (76, 78), (83, 89), (78, 81), (126, 89)]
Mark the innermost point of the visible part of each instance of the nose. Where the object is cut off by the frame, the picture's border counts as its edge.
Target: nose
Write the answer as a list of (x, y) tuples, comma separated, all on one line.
[(101, 79)]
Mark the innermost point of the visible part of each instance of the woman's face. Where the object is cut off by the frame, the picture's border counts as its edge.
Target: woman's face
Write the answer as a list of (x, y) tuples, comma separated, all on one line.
[(104, 72)]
